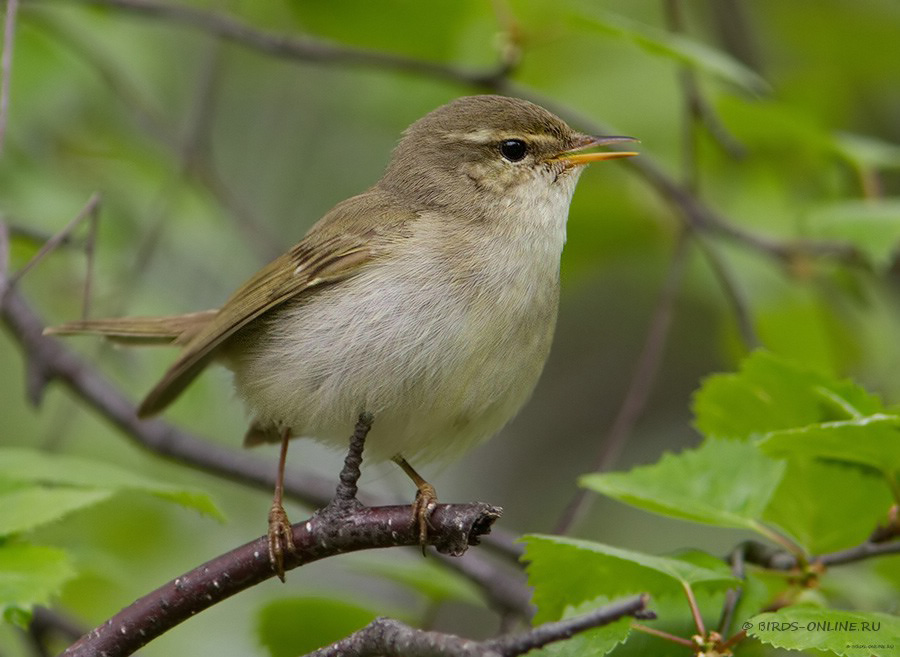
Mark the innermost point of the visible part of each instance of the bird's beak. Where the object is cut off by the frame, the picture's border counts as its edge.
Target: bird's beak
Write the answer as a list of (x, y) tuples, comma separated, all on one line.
[(574, 156)]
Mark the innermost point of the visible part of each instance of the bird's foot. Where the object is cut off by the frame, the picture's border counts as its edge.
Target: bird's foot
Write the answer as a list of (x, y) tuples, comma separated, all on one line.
[(281, 538)]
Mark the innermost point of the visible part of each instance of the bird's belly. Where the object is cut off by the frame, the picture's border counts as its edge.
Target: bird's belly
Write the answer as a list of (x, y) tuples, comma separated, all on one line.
[(439, 371)]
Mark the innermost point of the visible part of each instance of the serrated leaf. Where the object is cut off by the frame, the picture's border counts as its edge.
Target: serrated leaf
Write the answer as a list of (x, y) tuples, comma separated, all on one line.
[(770, 394), (568, 571), (30, 575), (30, 507), (676, 47), (873, 440), (590, 643), (872, 226), (725, 483), (812, 504), (845, 633), (296, 626), (24, 466)]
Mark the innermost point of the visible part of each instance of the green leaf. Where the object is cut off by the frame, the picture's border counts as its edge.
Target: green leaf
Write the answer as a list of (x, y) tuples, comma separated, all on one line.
[(591, 643), (566, 571), (872, 226), (30, 575), (812, 504), (296, 626), (873, 440), (52, 471), (725, 483), (676, 47), (26, 508), (845, 633), (770, 394)]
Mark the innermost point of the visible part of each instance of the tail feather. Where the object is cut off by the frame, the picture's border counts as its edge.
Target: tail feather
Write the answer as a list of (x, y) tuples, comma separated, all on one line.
[(173, 329)]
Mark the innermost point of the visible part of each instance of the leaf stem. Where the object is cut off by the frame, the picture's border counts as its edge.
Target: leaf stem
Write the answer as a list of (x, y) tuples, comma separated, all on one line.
[(663, 635)]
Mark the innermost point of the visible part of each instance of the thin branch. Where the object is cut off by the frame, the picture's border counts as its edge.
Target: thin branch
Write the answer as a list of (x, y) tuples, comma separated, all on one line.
[(776, 559), (9, 32), (89, 211), (302, 48), (322, 535), (640, 386), (391, 638)]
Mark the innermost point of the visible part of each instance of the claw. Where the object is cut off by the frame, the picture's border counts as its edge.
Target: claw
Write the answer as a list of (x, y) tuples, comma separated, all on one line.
[(281, 538), (424, 505)]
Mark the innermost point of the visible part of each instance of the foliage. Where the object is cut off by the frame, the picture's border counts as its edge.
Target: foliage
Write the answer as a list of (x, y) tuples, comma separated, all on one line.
[(211, 157)]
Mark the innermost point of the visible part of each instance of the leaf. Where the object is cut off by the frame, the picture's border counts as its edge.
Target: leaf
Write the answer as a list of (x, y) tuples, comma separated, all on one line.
[(770, 394), (724, 483), (845, 633), (591, 643), (30, 575), (873, 440), (828, 506), (296, 626), (55, 471), (568, 571), (871, 226), (676, 47), (27, 508)]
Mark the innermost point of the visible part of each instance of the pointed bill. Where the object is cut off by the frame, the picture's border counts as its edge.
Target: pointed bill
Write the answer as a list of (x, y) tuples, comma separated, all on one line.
[(575, 156)]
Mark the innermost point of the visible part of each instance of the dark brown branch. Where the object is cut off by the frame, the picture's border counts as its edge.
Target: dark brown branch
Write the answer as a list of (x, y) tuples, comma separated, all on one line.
[(775, 559), (391, 638), (454, 527)]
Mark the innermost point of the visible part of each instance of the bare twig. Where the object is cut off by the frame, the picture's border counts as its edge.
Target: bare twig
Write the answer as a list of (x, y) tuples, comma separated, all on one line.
[(299, 48), (9, 32), (453, 526), (775, 559), (639, 387), (89, 212), (391, 638)]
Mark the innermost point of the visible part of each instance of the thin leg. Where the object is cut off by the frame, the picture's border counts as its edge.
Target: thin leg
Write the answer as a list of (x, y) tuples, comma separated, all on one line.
[(426, 499), (281, 537)]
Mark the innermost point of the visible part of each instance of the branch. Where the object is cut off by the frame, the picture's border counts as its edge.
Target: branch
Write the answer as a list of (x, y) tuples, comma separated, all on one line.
[(9, 31), (329, 532), (775, 559), (302, 48), (391, 638)]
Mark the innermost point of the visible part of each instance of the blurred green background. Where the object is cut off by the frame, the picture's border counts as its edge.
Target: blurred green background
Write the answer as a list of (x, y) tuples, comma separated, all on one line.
[(211, 158)]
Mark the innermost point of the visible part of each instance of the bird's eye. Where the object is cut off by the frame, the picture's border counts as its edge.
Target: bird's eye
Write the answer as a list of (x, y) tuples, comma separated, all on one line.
[(513, 150)]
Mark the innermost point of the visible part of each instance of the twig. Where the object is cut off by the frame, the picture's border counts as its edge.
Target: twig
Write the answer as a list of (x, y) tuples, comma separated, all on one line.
[(452, 526), (641, 383), (391, 638), (301, 48), (775, 559), (89, 211), (9, 31)]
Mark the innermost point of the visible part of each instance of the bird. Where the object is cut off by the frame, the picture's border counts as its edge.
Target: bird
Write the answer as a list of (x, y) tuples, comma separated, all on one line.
[(428, 301)]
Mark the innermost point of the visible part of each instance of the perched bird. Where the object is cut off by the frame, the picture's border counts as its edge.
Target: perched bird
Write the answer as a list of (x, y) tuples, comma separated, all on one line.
[(428, 301)]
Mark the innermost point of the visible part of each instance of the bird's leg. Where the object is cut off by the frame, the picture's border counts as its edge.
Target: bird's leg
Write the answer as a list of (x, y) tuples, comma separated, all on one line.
[(426, 498), (281, 537)]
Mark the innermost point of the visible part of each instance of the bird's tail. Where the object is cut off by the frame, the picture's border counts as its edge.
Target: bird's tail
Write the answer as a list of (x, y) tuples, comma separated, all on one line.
[(171, 330)]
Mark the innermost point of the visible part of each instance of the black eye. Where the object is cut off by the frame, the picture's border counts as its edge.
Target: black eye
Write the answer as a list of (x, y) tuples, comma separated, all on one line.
[(513, 149)]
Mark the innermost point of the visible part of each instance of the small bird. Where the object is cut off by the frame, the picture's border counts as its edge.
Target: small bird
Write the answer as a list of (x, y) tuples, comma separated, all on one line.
[(428, 301)]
